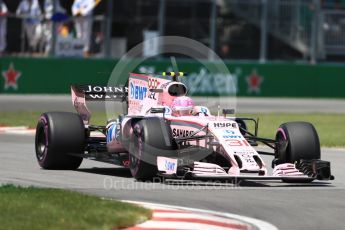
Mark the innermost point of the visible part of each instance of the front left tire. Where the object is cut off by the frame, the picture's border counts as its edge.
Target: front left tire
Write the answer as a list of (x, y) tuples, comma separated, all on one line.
[(59, 134)]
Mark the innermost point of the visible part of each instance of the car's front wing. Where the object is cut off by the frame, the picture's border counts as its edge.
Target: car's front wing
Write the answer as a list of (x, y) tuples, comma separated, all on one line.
[(301, 171)]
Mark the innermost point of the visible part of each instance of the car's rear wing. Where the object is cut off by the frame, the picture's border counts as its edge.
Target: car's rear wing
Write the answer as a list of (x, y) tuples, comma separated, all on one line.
[(82, 93), (101, 93)]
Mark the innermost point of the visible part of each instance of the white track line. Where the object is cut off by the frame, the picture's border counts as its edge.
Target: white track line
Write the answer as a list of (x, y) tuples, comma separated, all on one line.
[(17, 130), (24, 130)]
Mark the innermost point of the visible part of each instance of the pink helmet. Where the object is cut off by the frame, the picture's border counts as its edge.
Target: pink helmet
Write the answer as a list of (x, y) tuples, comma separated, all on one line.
[(182, 106)]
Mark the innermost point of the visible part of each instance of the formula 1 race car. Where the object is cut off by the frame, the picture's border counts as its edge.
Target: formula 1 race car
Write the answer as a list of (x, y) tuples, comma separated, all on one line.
[(163, 133)]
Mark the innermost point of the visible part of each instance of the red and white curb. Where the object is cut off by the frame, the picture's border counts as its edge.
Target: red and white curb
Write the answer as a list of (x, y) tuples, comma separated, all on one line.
[(175, 217), (22, 130)]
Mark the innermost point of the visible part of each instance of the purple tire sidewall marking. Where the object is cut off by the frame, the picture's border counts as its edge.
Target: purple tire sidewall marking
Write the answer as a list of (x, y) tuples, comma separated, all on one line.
[(45, 122), (140, 148), (280, 130)]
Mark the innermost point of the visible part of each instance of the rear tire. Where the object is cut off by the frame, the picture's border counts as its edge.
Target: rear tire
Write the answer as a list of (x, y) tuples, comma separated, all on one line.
[(297, 140), (57, 134), (151, 137)]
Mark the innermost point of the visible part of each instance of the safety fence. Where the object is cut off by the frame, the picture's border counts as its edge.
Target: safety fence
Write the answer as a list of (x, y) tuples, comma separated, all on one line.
[(288, 20), (313, 27), (334, 31)]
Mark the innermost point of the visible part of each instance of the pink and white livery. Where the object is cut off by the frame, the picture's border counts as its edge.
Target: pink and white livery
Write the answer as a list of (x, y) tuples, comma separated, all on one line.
[(162, 133)]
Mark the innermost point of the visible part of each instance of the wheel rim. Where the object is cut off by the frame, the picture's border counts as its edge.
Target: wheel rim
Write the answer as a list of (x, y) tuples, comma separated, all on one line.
[(134, 161), (135, 158), (41, 145), (281, 139)]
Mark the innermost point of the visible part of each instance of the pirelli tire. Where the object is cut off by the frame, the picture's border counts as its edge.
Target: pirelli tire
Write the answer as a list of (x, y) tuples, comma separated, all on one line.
[(57, 135), (150, 137), (296, 141)]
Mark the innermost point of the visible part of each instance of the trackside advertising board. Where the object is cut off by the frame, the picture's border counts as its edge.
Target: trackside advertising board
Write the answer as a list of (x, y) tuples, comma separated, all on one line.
[(54, 76)]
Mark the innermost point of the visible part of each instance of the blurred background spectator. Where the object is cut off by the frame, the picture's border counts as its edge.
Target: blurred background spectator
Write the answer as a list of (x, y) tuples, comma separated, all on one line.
[(31, 13), (53, 13), (3, 26), (82, 11), (308, 30)]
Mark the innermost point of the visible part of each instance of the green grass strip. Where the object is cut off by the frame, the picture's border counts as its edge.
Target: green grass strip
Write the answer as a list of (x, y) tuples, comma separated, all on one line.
[(38, 208), (329, 126)]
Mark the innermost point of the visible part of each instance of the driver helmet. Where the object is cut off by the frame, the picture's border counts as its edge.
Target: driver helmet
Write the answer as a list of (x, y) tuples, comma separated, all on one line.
[(182, 106)]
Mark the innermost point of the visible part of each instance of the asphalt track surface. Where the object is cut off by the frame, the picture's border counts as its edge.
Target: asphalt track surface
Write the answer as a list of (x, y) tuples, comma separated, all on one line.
[(318, 205), (243, 105)]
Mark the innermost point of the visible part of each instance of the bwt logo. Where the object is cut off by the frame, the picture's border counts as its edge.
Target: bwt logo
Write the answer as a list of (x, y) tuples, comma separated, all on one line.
[(229, 132), (170, 166), (138, 92), (203, 110), (232, 136)]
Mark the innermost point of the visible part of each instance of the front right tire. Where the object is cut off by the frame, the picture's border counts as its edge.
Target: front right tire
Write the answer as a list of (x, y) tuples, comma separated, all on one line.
[(151, 137)]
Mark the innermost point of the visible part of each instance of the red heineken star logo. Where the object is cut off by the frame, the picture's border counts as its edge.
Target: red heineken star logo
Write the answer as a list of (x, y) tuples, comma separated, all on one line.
[(11, 77), (254, 82)]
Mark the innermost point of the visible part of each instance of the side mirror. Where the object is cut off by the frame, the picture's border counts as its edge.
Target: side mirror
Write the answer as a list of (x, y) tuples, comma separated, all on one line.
[(158, 110), (228, 111)]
